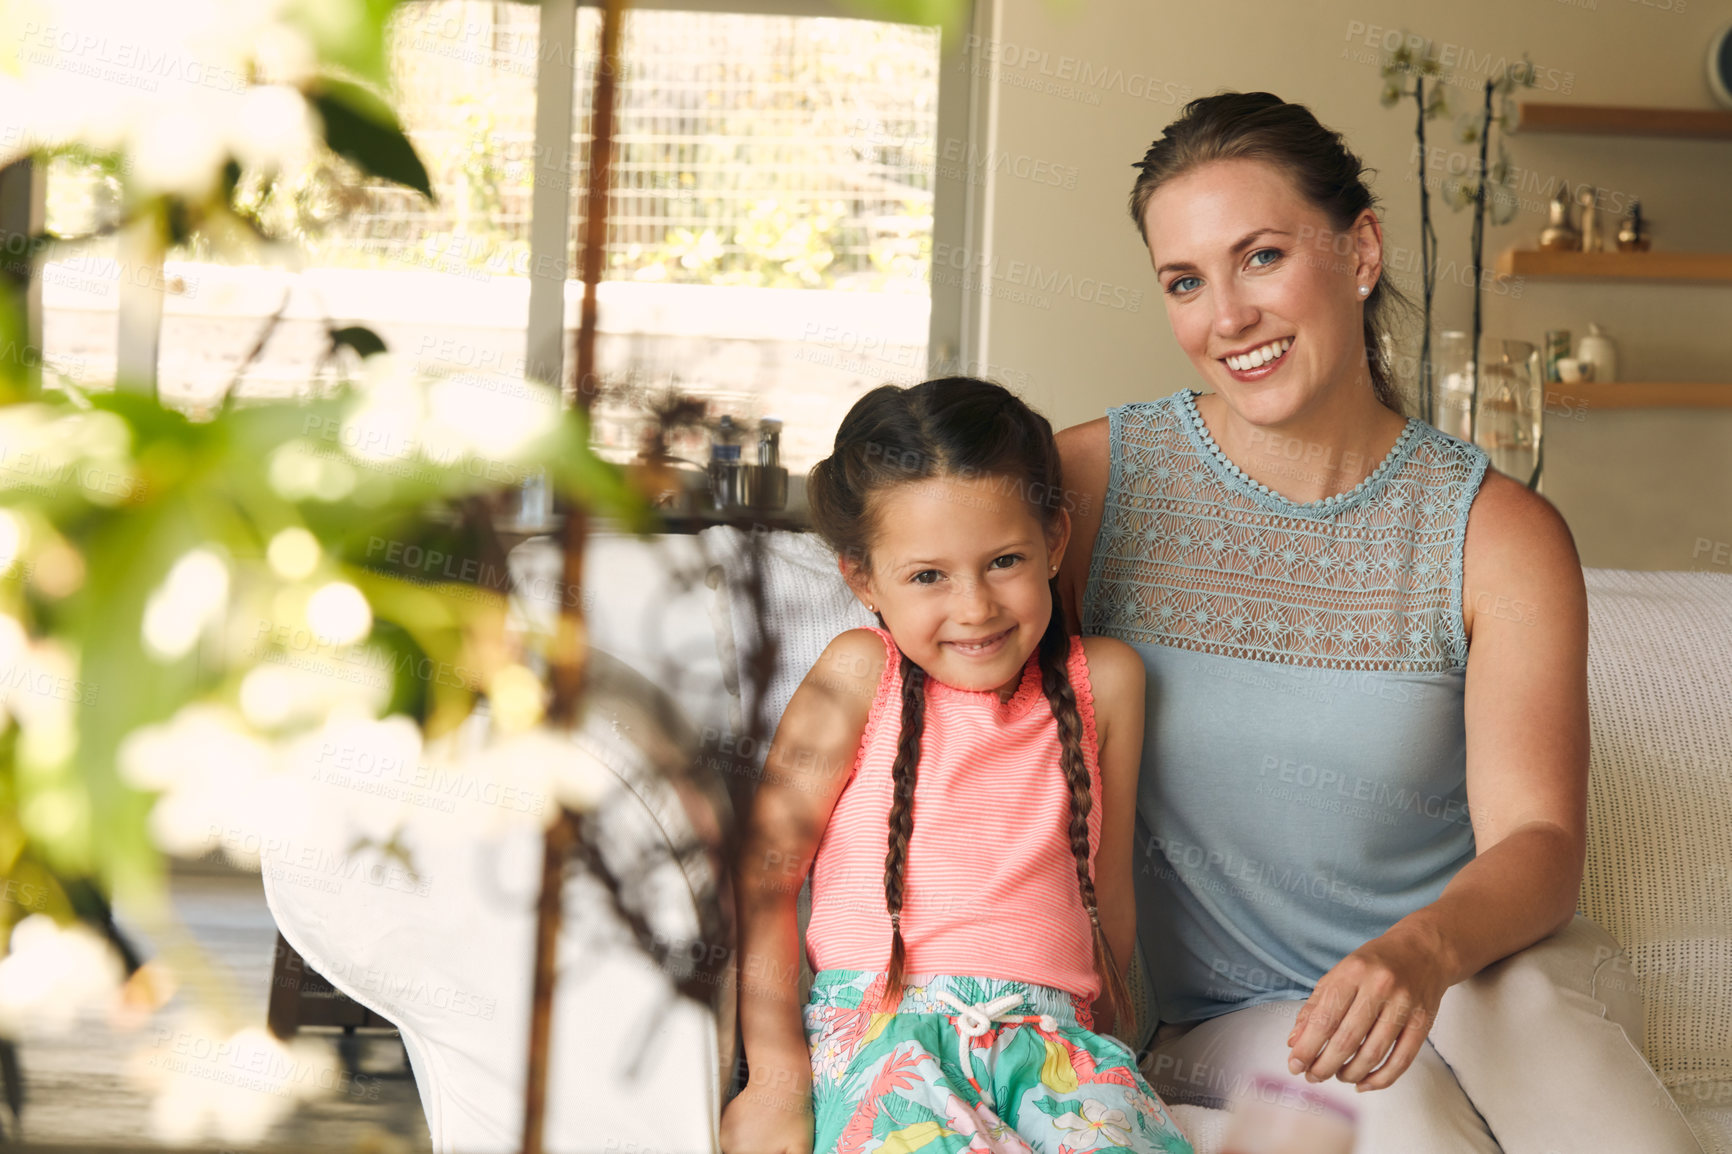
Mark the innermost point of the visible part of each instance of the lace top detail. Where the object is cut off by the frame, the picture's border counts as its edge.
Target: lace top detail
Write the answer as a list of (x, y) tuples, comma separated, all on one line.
[(1193, 553)]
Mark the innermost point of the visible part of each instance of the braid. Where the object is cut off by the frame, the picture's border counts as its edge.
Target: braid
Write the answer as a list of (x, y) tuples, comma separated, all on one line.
[(1055, 680), (903, 774)]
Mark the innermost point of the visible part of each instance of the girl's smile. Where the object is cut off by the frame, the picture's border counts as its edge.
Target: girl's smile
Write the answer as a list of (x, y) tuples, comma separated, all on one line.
[(981, 647)]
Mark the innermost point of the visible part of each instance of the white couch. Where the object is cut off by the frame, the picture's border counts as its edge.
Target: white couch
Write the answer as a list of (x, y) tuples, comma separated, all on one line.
[(638, 1070)]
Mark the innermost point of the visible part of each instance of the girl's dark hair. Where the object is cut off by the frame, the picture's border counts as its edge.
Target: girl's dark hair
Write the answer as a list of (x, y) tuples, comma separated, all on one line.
[(965, 428), (1261, 126)]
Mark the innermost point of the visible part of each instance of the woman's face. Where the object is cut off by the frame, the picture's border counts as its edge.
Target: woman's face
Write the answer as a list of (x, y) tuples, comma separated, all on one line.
[(1261, 289)]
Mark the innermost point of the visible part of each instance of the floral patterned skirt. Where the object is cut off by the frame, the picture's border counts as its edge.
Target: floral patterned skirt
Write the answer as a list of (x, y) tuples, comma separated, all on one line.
[(1039, 1083)]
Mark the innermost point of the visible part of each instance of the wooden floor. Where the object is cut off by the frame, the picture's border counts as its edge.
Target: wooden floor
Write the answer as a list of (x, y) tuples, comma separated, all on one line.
[(83, 1091)]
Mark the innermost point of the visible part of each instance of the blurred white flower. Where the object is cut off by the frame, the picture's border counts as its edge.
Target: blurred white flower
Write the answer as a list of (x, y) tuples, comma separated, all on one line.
[(339, 614), (180, 150), (517, 697), (284, 55), (51, 975), (299, 469), (40, 687), (165, 84), (12, 540), (386, 423), (293, 553), (13, 643), (485, 415), (194, 594), (275, 128), (216, 783), (273, 696), (211, 1084)]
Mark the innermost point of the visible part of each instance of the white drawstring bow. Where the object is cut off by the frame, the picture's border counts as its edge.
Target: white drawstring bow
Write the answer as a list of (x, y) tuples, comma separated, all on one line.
[(974, 1020)]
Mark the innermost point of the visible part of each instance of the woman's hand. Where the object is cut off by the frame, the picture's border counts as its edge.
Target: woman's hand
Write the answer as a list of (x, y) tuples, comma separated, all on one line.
[(1377, 1003), (768, 1120)]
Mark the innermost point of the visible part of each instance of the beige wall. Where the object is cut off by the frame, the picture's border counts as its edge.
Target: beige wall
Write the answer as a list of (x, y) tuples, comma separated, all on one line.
[(1082, 86)]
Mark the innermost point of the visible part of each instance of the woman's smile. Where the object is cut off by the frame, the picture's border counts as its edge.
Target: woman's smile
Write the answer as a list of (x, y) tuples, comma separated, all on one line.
[(1258, 361)]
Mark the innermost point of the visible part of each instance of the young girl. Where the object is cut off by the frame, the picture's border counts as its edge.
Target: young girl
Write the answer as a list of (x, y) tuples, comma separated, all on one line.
[(964, 779)]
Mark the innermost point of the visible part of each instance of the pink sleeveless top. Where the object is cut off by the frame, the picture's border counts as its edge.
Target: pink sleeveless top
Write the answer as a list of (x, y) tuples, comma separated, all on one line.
[(991, 887)]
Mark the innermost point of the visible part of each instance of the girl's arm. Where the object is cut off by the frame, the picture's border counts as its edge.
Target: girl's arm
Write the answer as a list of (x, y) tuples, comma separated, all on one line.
[(1117, 674), (809, 763), (1527, 778)]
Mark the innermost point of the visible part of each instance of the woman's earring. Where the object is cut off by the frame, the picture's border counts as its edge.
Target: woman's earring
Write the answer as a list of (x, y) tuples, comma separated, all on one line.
[(1364, 290)]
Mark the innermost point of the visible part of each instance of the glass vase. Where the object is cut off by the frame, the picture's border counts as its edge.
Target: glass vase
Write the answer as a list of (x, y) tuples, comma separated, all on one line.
[(1452, 385), (1508, 420)]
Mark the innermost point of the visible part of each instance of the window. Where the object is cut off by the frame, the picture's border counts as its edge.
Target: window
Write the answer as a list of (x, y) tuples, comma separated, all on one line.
[(769, 240)]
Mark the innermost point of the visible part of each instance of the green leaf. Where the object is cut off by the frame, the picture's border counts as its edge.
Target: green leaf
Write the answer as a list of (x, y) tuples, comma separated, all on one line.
[(947, 14), (363, 340), (347, 33), (361, 128)]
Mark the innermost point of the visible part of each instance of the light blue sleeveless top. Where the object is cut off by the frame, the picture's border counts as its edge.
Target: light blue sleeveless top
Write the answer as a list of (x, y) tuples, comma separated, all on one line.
[(1304, 767)]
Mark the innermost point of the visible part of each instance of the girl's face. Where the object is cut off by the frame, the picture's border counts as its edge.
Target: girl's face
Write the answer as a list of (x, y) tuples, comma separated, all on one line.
[(959, 571), (1249, 268)]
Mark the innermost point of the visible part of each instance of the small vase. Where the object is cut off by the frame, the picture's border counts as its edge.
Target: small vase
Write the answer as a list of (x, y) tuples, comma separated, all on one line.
[(1508, 422), (1452, 385), (1597, 349)]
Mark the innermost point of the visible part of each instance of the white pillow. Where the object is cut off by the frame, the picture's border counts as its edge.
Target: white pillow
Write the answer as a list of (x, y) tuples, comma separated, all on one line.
[(446, 952)]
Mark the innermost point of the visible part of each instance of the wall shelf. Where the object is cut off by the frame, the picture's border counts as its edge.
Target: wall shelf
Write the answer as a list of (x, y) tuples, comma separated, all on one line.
[(1617, 120), (1643, 394), (1686, 266)]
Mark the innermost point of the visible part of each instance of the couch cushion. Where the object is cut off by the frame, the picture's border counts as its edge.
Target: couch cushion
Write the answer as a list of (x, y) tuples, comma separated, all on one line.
[(804, 605), (1659, 864)]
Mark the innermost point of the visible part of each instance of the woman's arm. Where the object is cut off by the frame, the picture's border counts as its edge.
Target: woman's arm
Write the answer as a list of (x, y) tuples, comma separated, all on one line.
[(1085, 457), (809, 764), (1117, 675), (1527, 768)]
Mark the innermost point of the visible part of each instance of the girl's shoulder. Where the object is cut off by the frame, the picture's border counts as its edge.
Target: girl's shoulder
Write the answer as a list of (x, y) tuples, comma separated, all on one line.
[(1113, 659), (855, 659), (1116, 676)]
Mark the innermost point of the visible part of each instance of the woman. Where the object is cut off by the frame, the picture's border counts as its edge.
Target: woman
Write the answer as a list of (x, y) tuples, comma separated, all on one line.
[(1364, 779)]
